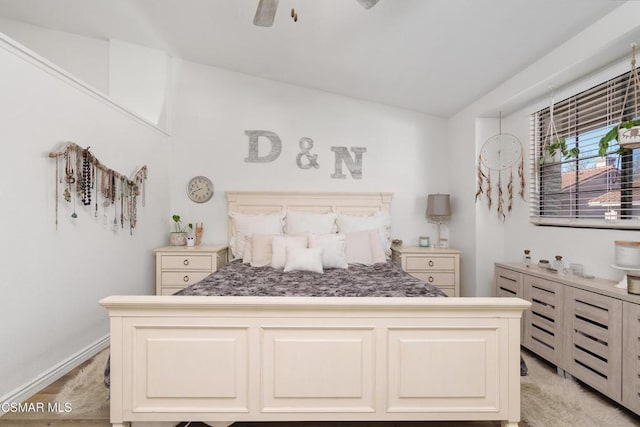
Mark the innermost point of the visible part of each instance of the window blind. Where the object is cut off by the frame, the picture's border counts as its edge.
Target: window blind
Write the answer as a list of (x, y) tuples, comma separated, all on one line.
[(590, 190)]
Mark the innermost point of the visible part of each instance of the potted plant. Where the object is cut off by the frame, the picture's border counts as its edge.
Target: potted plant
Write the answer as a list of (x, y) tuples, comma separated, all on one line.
[(179, 236), (626, 133)]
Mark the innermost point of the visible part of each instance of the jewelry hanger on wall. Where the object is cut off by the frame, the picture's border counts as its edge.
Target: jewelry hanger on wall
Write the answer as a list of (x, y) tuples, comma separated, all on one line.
[(82, 173), (500, 153)]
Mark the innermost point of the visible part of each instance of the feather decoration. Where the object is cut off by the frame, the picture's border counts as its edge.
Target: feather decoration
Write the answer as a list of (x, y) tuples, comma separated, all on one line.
[(501, 214), (489, 201), (521, 176), (481, 177), (510, 191)]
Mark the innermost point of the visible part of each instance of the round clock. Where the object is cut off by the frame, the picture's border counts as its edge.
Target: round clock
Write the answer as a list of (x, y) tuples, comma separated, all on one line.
[(200, 189)]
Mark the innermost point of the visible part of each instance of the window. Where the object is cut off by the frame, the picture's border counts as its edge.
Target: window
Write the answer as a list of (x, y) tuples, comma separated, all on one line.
[(590, 190)]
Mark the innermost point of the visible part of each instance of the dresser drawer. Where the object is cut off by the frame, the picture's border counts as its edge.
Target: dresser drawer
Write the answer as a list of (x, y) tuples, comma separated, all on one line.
[(439, 279), (425, 263), (186, 262), (182, 278)]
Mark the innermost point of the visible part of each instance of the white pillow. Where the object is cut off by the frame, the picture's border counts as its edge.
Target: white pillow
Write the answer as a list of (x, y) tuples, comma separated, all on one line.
[(358, 248), (297, 222), (333, 249), (246, 254), (261, 249), (377, 252), (247, 224), (279, 246), (379, 221), (307, 259)]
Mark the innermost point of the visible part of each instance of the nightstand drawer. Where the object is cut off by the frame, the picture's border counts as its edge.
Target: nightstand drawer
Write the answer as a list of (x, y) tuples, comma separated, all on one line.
[(451, 292), (186, 262), (182, 278), (440, 279), (171, 290), (422, 263)]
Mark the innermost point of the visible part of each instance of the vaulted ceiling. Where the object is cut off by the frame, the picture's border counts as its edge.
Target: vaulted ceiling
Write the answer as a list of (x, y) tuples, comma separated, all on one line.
[(432, 56)]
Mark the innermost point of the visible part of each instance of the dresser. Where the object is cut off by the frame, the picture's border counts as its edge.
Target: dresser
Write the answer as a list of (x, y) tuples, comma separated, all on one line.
[(438, 267), (180, 266), (588, 328)]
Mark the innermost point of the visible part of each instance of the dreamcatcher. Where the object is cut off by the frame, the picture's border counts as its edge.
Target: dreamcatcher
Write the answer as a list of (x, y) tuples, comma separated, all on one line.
[(499, 155)]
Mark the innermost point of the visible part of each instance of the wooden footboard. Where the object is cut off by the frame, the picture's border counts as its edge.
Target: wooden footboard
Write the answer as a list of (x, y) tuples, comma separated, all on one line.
[(226, 359)]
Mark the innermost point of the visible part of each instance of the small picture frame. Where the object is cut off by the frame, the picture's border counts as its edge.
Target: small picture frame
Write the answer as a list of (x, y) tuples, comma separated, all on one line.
[(424, 241)]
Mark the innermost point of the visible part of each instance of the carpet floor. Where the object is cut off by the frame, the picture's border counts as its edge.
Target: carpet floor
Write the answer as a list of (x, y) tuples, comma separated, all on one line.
[(547, 401)]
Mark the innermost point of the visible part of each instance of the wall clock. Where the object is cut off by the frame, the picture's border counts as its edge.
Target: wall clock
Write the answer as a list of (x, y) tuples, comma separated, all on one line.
[(200, 189)]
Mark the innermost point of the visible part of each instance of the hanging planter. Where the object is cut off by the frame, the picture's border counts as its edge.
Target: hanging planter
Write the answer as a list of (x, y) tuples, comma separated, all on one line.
[(627, 133), (554, 143)]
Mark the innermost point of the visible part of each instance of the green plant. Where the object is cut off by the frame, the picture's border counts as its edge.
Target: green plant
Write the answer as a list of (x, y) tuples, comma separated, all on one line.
[(178, 224), (561, 145), (603, 146)]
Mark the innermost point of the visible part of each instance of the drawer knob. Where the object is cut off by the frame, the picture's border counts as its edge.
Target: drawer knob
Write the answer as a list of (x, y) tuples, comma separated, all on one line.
[(185, 278), (430, 279), (185, 262), (430, 263)]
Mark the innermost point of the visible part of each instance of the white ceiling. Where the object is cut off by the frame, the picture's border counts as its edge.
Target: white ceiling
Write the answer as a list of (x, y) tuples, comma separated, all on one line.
[(432, 56)]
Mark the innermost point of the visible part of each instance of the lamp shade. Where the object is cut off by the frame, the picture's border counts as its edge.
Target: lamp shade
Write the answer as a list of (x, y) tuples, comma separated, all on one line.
[(438, 207)]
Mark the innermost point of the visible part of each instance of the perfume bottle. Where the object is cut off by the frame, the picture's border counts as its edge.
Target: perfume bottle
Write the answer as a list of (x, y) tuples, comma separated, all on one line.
[(526, 258), (558, 264)]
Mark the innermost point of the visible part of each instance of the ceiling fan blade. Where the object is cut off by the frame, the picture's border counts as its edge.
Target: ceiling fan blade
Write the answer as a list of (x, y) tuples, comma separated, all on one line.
[(368, 4), (266, 13)]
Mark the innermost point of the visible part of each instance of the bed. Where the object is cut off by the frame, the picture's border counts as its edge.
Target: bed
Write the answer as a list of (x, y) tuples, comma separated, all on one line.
[(222, 359)]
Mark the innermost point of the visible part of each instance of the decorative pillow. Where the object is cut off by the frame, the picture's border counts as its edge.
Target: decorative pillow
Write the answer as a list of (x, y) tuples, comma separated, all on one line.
[(358, 247), (379, 221), (246, 254), (307, 222), (377, 252), (247, 224), (307, 259), (279, 246), (333, 249), (261, 251)]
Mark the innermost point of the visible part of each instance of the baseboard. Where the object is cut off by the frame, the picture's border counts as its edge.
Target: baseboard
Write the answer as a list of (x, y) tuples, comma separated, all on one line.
[(56, 372)]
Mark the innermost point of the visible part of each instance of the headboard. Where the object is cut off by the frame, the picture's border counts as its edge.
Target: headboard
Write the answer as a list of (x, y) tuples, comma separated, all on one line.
[(257, 202)]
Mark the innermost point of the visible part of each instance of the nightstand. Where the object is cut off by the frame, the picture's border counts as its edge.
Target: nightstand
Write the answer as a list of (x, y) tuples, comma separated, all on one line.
[(438, 267), (180, 266)]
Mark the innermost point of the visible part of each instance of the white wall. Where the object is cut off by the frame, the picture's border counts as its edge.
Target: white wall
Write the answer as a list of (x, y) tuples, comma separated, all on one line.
[(482, 240), (51, 280), (214, 107), (138, 78), (84, 57)]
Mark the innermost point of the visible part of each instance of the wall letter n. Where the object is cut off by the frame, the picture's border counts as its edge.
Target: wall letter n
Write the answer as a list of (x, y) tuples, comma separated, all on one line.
[(354, 165)]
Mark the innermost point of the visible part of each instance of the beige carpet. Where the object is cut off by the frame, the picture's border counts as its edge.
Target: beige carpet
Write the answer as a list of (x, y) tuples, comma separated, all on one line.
[(86, 392), (547, 399)]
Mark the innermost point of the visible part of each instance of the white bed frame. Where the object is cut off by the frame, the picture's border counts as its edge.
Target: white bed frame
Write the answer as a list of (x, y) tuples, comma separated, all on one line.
[(226, 359)]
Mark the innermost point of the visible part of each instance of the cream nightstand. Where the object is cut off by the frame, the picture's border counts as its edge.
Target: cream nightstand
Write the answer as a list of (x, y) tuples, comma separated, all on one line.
[(439, 267), (180, 266)]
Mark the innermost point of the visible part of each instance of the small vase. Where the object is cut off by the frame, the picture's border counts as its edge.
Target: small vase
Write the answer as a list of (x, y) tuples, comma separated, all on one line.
[(191, 241), (178, 239)]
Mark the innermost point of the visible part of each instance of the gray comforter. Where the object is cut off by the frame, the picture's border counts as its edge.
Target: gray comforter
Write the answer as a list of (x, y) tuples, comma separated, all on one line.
[(379, 280)]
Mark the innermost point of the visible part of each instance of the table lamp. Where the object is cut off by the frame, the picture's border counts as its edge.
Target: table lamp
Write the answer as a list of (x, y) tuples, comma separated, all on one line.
[(438, 210)]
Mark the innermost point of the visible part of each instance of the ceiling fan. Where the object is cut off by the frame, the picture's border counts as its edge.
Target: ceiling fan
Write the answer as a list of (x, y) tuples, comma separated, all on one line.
[(266, 12)]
